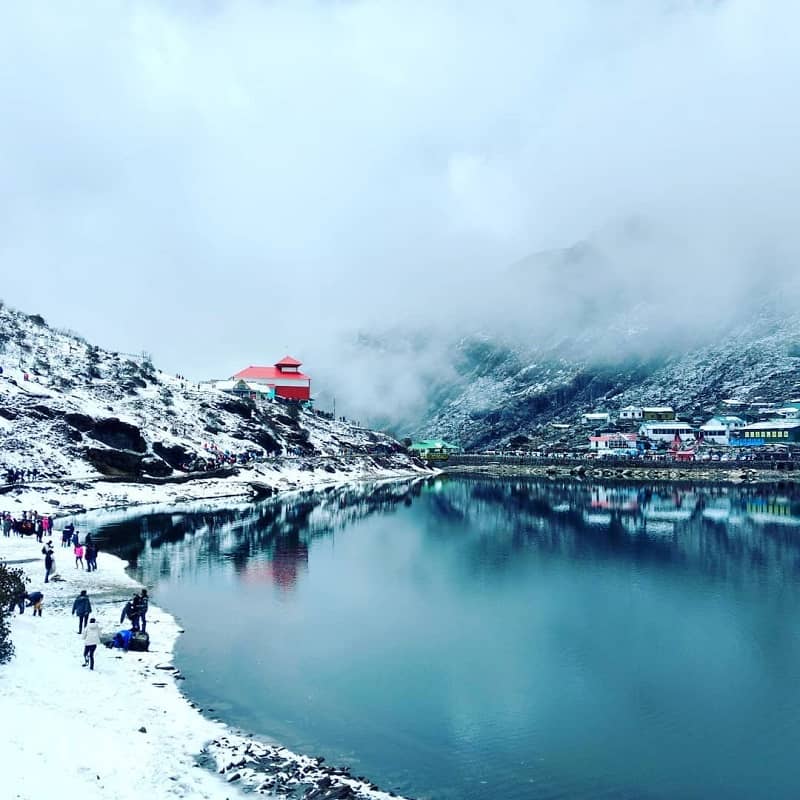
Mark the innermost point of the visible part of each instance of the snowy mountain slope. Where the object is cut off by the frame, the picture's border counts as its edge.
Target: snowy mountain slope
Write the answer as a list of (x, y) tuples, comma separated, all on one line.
[(69, 409), (632, 315), (752, 360)]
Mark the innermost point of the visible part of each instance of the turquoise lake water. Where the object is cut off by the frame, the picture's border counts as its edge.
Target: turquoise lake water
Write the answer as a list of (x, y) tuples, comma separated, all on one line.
[(476, 639)]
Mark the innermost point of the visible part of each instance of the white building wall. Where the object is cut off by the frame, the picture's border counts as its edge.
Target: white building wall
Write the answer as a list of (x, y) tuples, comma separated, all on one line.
[(665, 431)]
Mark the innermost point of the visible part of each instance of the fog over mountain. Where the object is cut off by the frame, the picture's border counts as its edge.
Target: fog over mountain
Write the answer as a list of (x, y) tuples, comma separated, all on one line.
[(367, 184)]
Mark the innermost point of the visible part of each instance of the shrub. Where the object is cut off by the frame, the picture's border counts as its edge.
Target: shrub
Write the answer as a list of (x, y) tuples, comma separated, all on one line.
[(37, 319), (12, 582)]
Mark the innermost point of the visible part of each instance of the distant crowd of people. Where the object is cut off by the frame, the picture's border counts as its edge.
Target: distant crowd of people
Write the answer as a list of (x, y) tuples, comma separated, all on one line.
[(13, 475), (218, 458), (29, 523)]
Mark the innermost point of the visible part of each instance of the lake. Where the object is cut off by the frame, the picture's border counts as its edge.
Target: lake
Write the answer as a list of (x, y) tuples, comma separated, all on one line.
[(481, 639)]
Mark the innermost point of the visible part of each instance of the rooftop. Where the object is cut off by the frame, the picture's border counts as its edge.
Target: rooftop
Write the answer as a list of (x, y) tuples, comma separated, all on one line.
[(671, 423), (776, 424), (433, 444), (724, 419), (288, 361), (270, 373)]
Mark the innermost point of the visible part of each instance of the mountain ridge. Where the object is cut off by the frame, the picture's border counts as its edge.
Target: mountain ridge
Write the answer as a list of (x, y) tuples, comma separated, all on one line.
[(71, 410)]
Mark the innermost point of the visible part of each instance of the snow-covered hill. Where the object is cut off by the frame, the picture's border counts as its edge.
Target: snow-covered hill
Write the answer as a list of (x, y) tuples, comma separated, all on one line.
[(508, 392), (630, 316), (71, 411)]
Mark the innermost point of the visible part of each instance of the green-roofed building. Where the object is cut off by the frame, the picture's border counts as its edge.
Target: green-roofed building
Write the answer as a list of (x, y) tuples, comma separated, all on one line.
[(434, 449)]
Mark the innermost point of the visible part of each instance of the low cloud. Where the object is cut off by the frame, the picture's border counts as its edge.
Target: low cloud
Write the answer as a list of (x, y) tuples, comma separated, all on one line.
[(223, 182)]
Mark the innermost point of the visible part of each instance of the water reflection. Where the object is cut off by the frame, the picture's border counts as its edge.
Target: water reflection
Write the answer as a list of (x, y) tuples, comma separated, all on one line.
[(475, 639), (719, 530), (266, 542)]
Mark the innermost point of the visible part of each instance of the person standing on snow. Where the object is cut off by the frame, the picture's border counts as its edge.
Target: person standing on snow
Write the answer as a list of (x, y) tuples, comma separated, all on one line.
[(91, 638), (144, 604), (66, 535), (90, 554), (78, 550), (131, 611), (82, 607), (49, 564)]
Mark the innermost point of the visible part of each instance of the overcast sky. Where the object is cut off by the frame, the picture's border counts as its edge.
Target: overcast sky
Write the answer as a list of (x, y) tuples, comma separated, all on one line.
[(222, 182)]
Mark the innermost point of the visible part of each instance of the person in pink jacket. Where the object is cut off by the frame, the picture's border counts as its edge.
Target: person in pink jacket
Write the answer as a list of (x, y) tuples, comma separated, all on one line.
[(78, 550)]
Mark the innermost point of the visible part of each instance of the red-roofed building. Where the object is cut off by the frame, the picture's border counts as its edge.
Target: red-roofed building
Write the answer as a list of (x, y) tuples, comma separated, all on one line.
[(284, 377)]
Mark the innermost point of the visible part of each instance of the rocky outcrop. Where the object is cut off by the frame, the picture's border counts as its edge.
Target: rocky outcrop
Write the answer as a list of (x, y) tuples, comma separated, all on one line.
[(115, 463), (81, 422), (119, 435), (173, 454)]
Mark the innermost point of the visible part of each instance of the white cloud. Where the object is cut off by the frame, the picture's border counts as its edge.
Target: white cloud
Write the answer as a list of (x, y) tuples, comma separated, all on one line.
[(219, 183)]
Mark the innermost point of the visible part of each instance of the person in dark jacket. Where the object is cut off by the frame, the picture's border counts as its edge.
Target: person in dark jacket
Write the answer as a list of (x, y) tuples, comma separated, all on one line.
[(35, 599), (66, 535), (90, 556), (131, 611), (82, 607), (144, 604), (49, 563)]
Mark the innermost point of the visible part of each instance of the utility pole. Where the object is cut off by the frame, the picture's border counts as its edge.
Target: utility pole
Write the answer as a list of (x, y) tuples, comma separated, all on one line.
[(334, 407)]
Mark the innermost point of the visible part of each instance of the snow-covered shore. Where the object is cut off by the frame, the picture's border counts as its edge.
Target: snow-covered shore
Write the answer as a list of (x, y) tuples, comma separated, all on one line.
[(125, 729), (77, 733), (67, 497)]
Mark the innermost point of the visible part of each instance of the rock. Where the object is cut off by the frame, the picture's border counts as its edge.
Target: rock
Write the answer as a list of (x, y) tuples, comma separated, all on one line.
[(115, 462), (155, 467), (235, 777), (173, 454), (119, 435), (143, 729)]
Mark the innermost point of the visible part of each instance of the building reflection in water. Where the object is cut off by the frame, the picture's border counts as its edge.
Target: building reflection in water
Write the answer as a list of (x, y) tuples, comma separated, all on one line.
[(285, 561), (722, 530), (266, 542)]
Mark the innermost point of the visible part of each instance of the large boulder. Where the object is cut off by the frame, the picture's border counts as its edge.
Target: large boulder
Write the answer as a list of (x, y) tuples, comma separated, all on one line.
[(81, 422), (152, 465), (119, 435), (173, 454), (115, 463)]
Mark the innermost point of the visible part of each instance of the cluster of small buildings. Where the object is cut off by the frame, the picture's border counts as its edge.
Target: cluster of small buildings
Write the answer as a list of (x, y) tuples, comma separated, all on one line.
[(768, 424), (283, 379), (434, 449)]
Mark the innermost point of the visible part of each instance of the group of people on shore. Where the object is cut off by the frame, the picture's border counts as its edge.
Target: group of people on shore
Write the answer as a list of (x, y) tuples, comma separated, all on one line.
[(30, 523), (83, 548), (134, 610)]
